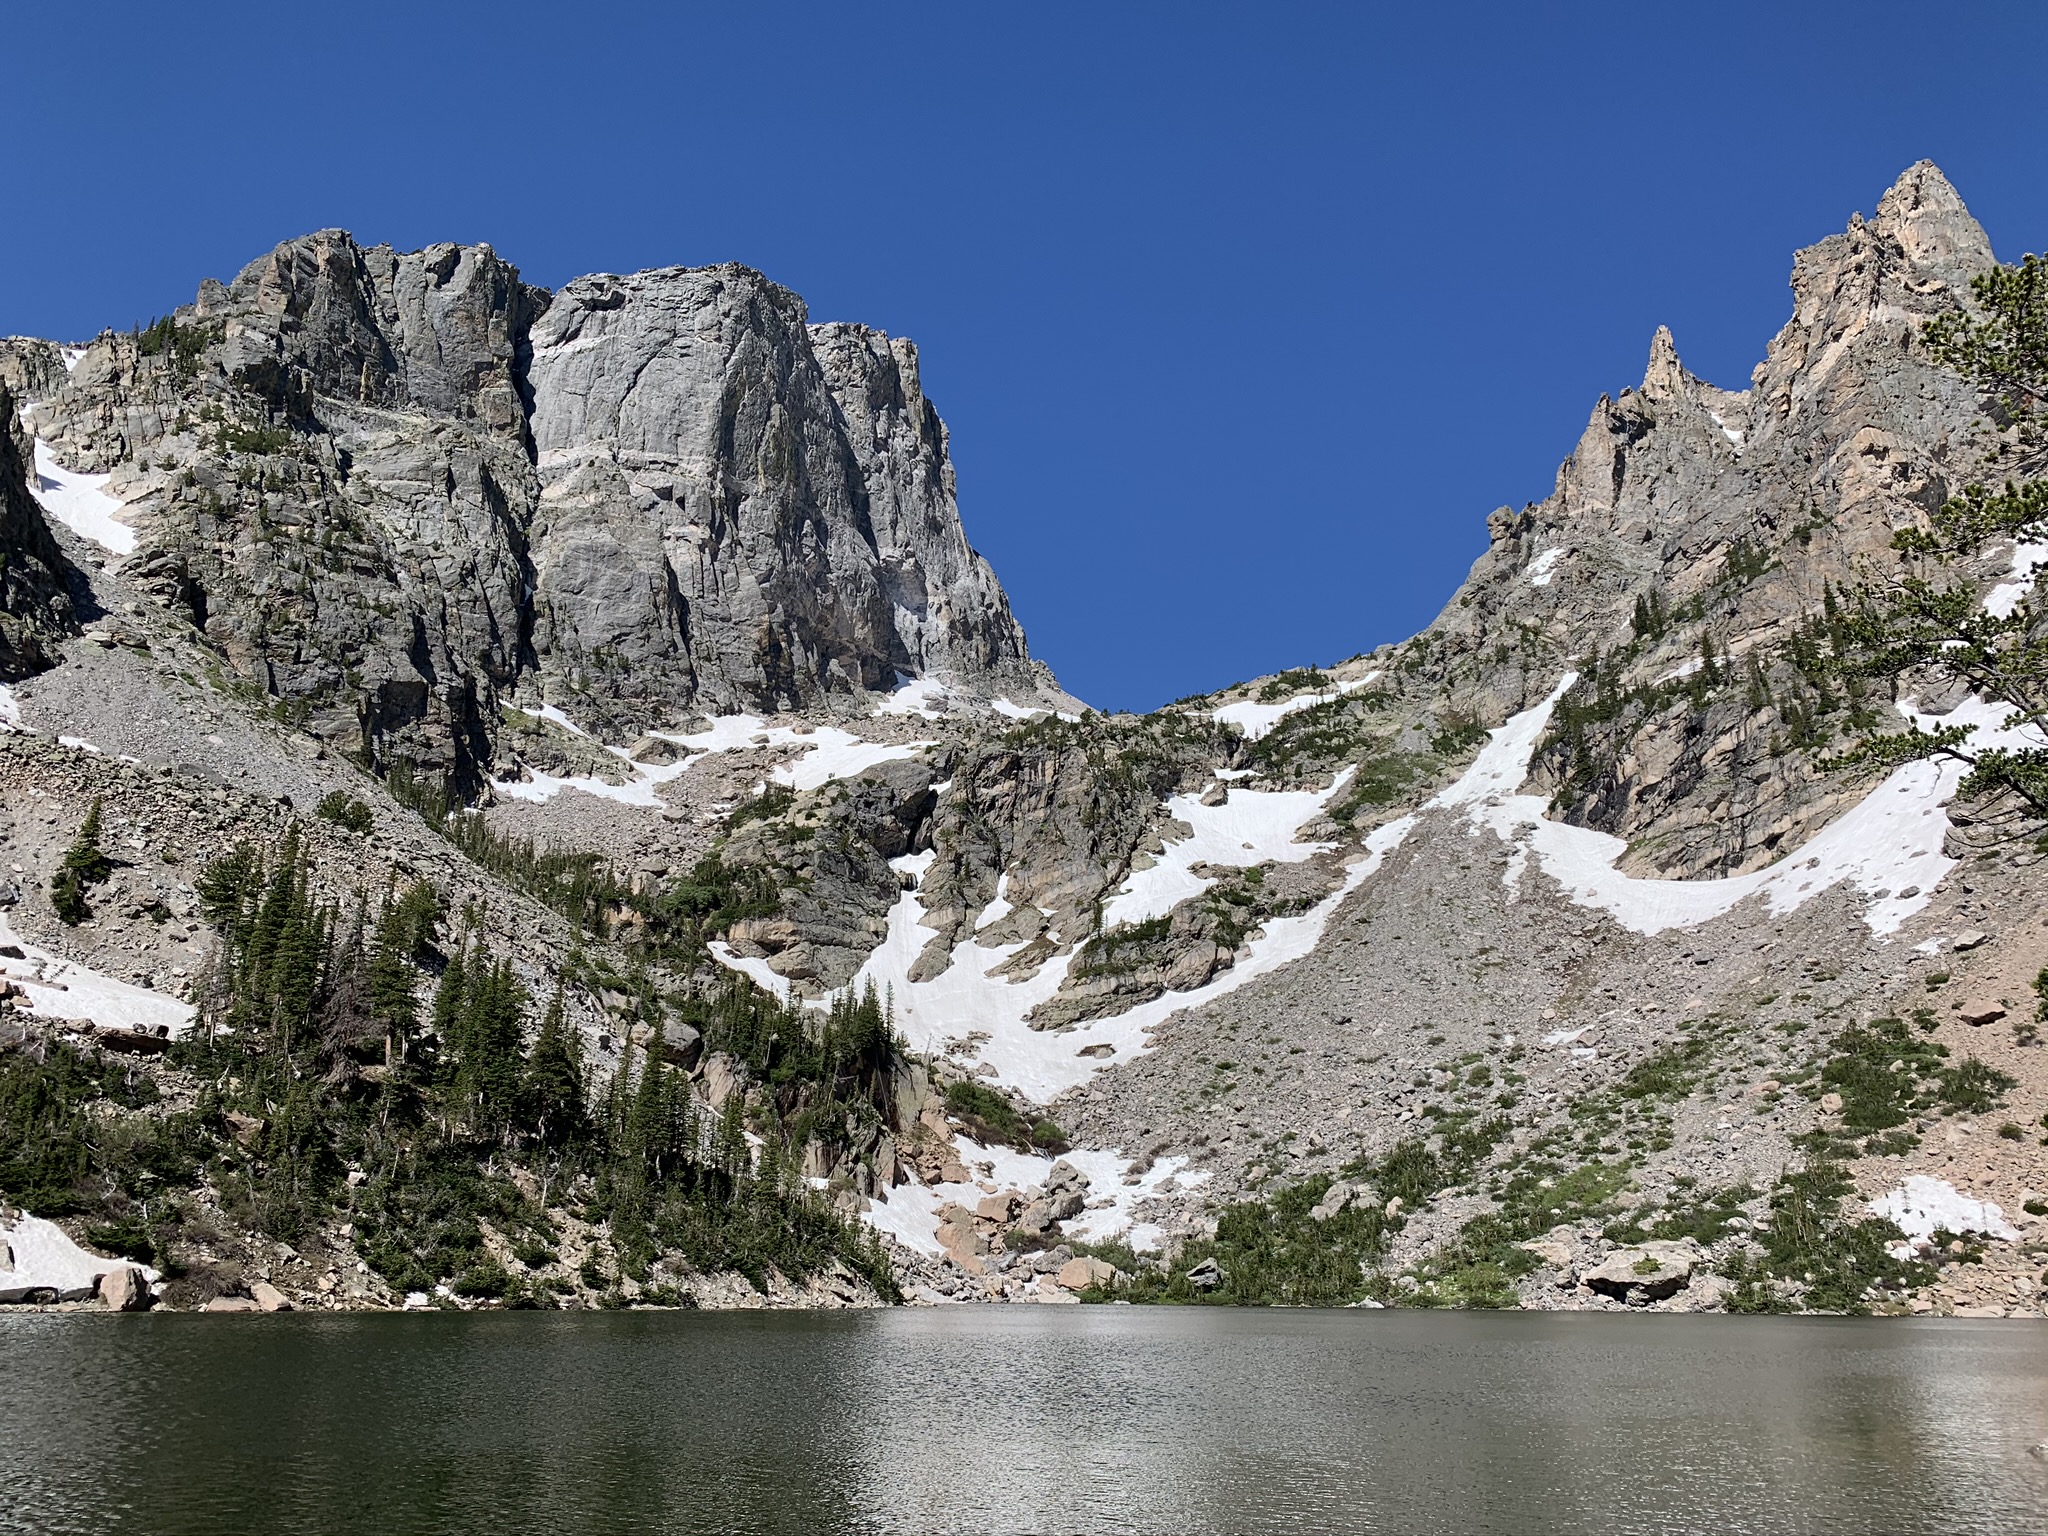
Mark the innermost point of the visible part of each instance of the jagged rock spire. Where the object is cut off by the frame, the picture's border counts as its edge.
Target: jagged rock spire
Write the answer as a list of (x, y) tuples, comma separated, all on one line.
[(1926, 215)]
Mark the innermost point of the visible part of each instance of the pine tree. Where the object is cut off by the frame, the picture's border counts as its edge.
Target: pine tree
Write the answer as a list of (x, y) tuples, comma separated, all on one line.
[(85, 865), (554, 1100), (1928, 629)]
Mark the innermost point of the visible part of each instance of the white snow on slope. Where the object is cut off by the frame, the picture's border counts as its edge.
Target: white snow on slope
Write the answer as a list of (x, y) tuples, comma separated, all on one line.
[(834, 754), (2005, 597), (1889, 842), (1543, 566), (550, 712), (10, 709), (919, 697), (1251, 827), (72, 357), (1923, 1206), (45, 1258), (965, 1000), (1733, 434), (841, 755), (60, 989), (80, 503), (911, 1211), (1255, 719)]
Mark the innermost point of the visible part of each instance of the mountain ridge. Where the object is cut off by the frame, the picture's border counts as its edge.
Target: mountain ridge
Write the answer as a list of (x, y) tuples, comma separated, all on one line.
[(1558, 894)]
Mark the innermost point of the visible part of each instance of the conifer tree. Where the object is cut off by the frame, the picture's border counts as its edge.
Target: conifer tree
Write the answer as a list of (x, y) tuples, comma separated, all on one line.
[(554, 1097), (85, 865), (1928, 628)]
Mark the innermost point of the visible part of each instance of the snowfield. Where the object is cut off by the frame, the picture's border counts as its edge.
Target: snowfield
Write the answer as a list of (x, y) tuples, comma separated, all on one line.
[(910, 1212), (834, 754), (1887, 845), (61, 989), (44, 1258), (1250, 827), (81, 503), (1923, 1206), (1255, 719)]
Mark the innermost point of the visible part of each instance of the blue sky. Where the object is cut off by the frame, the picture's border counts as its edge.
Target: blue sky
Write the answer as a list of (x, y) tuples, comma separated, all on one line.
[(1243, 317)]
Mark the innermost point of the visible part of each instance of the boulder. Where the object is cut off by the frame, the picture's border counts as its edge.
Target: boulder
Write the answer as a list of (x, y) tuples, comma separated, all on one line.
[(1035, 1220), (1649, 1272), (1553, 1252), (1971, 939), (229, 1304), (125, 1289), (1335, 1199), (998, 1207), (1981, 1011), (1205, 1276), (269, 1298), (1080, 1274), (680, 1045)]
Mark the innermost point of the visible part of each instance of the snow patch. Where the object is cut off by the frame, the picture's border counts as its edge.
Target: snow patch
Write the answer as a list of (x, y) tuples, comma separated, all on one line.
[(1255, 719), (550, 712), (979, 1018), (71, 357), (1887, 843), (910, 1212), (10, 709), (1250, 827), (842, 755), (834, 754), (1733, 434), (919, 697), (2004, 598), (81, 503), (1923, 1206), (1543, 566), (45, 1258), (57, 988)]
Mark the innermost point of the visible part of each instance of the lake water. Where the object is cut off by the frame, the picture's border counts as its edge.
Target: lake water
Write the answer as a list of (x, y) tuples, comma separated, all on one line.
[(1021, 1420)]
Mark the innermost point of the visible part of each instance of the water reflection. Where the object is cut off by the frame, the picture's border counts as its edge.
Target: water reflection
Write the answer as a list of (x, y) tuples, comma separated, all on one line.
[(1073, 1419)]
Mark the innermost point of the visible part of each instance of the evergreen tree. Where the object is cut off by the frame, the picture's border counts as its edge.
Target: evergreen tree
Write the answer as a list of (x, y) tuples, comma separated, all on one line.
[(554, 1101), (1927, 628), (486, 1042), (85, 865)]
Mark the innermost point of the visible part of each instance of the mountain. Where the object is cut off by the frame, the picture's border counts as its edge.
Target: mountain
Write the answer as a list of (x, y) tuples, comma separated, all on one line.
[(618, 653)]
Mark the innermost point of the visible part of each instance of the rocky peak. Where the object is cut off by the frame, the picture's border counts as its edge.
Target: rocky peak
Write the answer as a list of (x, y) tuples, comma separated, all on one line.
[(1924, 213), (438, 329)]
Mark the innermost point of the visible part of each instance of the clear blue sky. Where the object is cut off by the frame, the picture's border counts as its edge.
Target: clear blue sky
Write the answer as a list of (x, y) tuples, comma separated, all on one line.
[(1243, 317)]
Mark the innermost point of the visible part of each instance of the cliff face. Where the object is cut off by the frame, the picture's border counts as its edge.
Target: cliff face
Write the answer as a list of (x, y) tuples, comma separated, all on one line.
[(1691, 519), (35, 605), (399, 490), (741, 509)]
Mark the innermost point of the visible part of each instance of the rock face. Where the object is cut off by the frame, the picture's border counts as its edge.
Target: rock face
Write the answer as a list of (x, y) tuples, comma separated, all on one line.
[(35, 605), (742, 510), (398, 491), (1691, 537)]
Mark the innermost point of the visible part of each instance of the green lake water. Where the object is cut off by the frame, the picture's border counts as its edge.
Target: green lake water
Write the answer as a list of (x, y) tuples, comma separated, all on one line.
[(1097, 1419)]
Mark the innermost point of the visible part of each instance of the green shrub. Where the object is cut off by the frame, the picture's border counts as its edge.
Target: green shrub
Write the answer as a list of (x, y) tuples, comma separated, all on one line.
[(345, 811)]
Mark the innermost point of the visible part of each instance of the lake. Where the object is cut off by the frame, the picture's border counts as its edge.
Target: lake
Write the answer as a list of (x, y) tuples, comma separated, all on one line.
[(1074, 1419)]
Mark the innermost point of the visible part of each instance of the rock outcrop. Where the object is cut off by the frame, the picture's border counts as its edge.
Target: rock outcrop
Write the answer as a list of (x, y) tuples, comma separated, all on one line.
[(35, 602), (399, 491)]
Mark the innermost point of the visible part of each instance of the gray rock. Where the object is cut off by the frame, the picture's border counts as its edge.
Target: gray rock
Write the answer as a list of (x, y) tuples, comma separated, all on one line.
[(1639, 1275), (125, 1289)]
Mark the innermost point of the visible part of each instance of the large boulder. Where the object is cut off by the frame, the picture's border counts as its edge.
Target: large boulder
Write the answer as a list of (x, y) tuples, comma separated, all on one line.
[(125, 1289), (268, 1298), (1648, 1272), (1080, 1274)]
